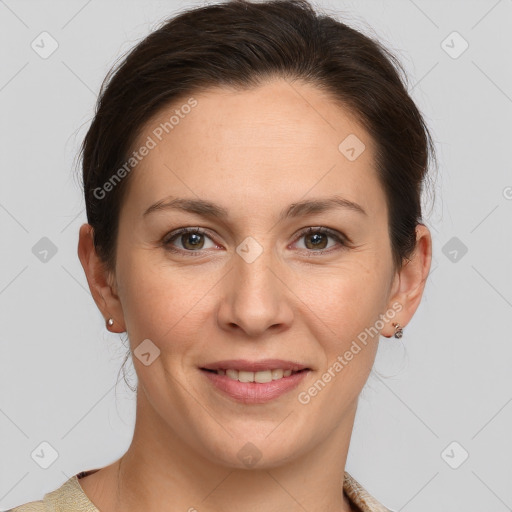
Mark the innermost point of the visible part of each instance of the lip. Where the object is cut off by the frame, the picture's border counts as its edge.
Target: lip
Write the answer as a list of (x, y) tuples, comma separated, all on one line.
[(255, 366), (254, 392)]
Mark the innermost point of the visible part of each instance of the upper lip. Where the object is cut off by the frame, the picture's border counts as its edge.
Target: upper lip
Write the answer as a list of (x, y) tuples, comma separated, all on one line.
[(255, 366)]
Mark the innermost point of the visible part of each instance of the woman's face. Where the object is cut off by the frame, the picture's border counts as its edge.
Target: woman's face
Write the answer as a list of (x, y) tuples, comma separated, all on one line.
[(252, 286)]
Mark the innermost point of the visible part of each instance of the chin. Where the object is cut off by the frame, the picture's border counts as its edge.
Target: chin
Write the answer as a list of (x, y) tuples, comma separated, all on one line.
[(254, 452)]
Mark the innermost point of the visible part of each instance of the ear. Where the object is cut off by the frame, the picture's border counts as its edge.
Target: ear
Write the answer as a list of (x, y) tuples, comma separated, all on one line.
[(410, 281), (101, 281)]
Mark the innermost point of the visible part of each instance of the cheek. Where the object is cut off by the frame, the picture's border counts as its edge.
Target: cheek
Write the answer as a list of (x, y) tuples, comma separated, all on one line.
[(161, 302), (347, 298), (350, 305)]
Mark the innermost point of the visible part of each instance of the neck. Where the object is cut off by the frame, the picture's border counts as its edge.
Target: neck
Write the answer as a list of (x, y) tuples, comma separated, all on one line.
[(161, 471)]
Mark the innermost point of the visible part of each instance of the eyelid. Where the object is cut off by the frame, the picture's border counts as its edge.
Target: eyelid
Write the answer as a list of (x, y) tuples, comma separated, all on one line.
[(310, 229), (341, 238), (166, 241), (327, 231), (343, 242)]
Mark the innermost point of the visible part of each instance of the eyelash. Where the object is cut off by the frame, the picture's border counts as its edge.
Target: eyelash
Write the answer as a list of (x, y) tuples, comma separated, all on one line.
[(342, 240)]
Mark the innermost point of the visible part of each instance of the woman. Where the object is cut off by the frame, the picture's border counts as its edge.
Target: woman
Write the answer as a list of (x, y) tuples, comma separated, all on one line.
[(253, 179)]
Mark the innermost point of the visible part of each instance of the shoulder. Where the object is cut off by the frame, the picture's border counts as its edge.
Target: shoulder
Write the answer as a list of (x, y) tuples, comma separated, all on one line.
[(36, 506), (360, 497), (32, 506), (69, 497)]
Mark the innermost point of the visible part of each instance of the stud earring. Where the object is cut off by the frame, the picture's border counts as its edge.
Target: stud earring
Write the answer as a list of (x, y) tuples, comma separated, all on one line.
[(398, 330), (110, 322)]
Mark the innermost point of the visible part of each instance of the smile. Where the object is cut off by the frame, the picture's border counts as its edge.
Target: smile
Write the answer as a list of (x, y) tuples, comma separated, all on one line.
[(261, 376), (254, 387)]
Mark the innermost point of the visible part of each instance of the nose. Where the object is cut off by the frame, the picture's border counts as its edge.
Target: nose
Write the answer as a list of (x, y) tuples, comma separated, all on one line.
[(255, 297)]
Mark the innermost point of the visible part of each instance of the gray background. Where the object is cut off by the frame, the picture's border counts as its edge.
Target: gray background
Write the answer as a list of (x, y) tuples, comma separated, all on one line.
[(448, 380)]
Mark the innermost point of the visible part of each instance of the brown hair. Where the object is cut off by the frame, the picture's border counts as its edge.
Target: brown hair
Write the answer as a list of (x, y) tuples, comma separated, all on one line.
[(238, 44)]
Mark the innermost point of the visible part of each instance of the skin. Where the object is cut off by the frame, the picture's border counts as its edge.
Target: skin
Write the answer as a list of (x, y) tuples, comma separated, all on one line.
[(254, 153)]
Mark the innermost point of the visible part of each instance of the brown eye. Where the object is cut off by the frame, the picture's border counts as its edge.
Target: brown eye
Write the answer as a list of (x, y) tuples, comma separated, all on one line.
[(190, 239), (317, 239)]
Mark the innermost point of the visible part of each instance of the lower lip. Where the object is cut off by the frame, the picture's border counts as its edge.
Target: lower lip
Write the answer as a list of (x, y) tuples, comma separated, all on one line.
[(255, 392)]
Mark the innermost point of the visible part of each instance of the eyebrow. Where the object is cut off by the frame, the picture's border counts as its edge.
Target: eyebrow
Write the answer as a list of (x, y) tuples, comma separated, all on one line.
[(206, 208)]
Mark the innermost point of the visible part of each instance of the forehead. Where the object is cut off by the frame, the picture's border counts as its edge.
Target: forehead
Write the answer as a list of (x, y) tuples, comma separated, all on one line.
[(252, 147)]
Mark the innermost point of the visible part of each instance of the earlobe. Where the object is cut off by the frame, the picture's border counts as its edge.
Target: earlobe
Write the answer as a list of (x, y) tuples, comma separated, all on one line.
[(100, 281), (412, 279)]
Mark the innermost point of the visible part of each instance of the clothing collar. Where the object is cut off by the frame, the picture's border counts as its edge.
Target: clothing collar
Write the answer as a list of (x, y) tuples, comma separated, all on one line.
[(71, 492)]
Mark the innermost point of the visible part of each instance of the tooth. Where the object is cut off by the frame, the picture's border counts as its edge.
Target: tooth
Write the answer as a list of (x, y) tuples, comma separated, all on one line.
[(232, 374), (244, 376), (277, 374), (262, 377)]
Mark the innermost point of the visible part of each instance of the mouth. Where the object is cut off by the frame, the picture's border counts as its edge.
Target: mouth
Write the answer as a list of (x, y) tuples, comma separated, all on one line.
[(262, 371), (253, 382), (261, 377)]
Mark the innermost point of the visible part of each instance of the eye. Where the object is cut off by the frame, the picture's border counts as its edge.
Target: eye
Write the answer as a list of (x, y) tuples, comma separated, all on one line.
[(317, 239), (192, 240)]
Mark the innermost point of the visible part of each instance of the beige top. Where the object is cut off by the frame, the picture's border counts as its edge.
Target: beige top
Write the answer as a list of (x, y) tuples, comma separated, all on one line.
[(70, 497)]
